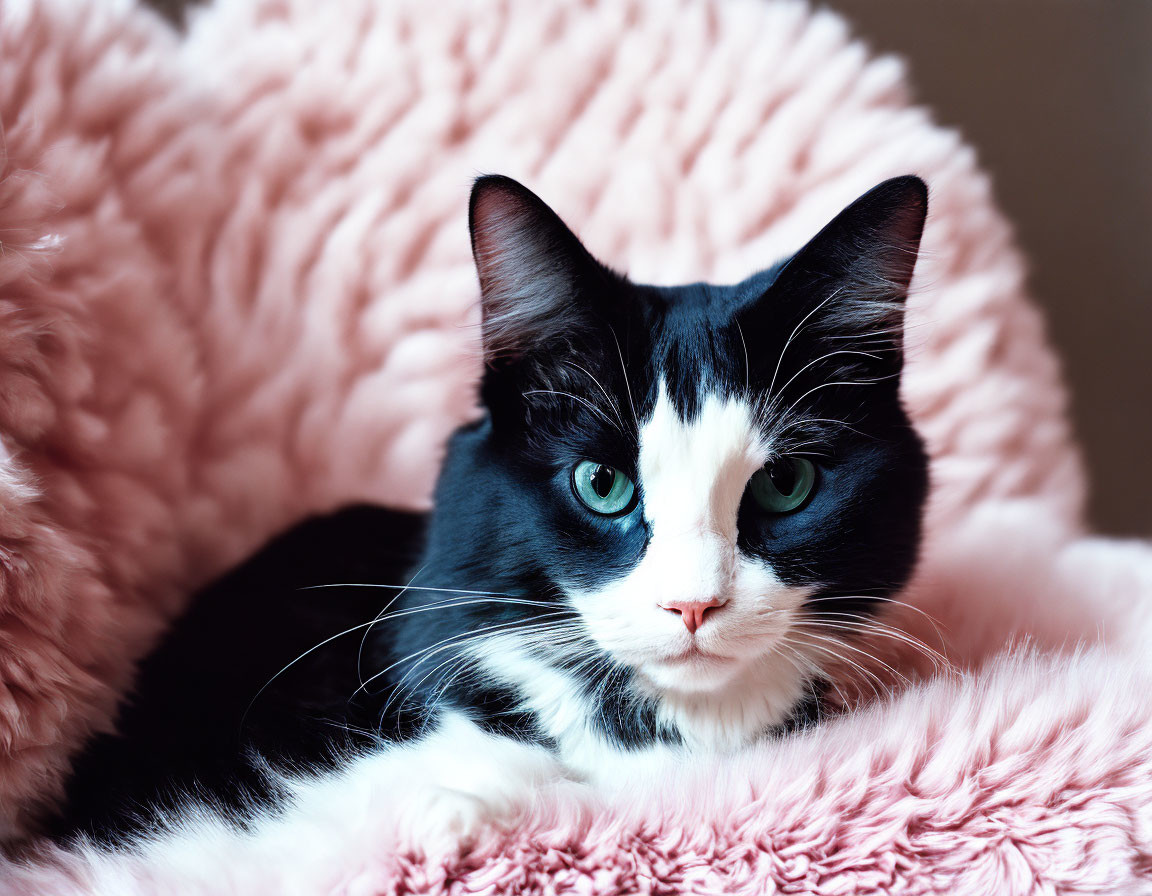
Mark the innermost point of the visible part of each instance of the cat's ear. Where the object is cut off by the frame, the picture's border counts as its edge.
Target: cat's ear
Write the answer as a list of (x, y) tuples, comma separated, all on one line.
[(536, 279), (850, 281)]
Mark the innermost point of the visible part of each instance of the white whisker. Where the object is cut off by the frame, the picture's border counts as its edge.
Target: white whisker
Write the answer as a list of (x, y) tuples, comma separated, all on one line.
[(866, 625), (467, 640), (403, 588), (315, 647), (816, 389), (932, 620), (446, 604), (807, 670), (364, 638), (747, 363), (624, 370), (446, 643), (853, 647), (582, 401), (824, 357), (611, 401), (871, 678), (788, 342)]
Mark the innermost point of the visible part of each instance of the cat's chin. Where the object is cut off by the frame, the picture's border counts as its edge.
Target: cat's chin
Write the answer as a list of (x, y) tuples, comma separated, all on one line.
[(692, 672), (727, 704)]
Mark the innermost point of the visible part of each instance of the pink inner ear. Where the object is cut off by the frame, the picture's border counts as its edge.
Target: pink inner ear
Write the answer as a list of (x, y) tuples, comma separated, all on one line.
[(494, 229), (528, 262)]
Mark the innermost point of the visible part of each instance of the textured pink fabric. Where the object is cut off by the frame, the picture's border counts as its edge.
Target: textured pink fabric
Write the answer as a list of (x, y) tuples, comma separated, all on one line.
[(235, 286)]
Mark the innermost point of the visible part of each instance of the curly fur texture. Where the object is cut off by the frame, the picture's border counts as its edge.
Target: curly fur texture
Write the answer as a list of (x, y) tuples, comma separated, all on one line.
[(235, 287)]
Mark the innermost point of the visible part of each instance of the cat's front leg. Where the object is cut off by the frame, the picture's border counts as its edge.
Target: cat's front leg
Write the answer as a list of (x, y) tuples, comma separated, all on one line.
[(442, 790)]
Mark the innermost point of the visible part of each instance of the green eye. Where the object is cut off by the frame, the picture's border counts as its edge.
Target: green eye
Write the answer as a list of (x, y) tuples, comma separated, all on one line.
[(601, 488), (783, 485)]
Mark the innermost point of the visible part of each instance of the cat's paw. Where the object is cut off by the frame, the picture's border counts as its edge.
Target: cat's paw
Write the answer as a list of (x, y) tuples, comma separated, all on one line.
[(462, 782), (442, 821)]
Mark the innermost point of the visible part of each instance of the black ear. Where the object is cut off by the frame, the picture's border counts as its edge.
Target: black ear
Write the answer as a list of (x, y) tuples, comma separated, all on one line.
[(537, 281), (851, 279), (841, 297)]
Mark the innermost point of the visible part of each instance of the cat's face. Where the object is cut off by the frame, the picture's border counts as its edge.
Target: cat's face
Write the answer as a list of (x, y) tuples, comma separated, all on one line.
[(700, 471)]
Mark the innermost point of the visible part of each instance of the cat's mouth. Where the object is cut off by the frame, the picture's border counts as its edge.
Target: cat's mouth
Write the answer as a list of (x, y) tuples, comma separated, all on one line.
[(694, 654), (691, 670)]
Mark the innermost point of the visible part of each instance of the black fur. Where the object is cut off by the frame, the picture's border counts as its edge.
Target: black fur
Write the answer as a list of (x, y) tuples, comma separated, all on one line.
[(816, 341)]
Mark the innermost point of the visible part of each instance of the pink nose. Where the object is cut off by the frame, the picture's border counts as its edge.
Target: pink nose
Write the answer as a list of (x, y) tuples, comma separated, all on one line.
[(692, 611)]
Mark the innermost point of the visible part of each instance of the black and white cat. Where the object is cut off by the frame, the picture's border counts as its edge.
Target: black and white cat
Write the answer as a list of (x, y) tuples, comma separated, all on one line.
[(633, 550)]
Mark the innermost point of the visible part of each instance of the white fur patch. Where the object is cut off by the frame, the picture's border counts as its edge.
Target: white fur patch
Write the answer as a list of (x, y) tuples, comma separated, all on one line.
[(562, 712), (739, 673), (441, 790)]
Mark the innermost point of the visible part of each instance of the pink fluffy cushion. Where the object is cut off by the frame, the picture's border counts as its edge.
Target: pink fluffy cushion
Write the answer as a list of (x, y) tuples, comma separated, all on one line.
[(235, 287)]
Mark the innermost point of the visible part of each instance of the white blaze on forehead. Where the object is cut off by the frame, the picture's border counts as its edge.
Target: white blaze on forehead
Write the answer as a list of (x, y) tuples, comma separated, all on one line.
[(694, 472)]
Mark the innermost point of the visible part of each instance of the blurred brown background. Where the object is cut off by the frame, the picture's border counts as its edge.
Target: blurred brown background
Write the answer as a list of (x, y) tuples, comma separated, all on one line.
[(1057, 97)]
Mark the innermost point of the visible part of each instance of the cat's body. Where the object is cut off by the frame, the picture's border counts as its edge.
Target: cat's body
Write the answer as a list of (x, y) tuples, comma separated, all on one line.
[(677, 500), (193, 727)]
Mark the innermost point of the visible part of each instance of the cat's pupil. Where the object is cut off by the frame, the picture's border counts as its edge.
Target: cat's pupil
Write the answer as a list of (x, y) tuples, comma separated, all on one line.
[(602, 479), (783, 476)]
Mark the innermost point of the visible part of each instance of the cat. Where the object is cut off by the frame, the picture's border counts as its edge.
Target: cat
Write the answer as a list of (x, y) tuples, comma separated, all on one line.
[(644, 543)]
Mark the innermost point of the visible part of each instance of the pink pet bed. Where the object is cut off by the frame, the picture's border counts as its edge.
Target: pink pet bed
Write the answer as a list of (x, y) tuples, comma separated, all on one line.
[(235, 288)]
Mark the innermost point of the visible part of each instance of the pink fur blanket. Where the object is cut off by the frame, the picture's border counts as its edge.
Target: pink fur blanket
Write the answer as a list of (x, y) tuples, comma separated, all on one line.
[(235, 287)]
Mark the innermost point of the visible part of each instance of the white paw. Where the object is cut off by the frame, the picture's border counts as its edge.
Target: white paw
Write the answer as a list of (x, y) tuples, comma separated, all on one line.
[(461, 781), (446, 820)]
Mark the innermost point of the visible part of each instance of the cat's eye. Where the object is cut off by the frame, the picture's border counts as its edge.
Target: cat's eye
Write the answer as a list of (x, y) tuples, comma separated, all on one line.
[(602, 489), (783, 485)]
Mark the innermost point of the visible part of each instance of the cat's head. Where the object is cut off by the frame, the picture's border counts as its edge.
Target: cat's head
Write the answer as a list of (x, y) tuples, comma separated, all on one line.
[(700, 469)]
